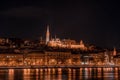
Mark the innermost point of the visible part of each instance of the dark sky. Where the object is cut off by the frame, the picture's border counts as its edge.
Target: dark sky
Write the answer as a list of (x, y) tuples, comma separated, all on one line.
[(95, 22)]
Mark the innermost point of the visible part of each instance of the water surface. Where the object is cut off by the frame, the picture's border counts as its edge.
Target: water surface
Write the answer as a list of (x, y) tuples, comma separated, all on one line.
[(61, 74)]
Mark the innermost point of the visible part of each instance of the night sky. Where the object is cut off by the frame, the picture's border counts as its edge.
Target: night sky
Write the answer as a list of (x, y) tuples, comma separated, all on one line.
[(94, 22)]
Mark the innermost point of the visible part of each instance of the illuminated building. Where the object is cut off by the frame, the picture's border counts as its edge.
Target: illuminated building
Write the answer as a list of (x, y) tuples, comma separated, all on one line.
[(57, 58), (61, 58), (65, 43), (38, 58), (11, 59)]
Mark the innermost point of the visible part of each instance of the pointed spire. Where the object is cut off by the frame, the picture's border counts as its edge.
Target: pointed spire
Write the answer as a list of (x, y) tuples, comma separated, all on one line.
[(114, 52), (81, 42), (47, 34), (47, 28)]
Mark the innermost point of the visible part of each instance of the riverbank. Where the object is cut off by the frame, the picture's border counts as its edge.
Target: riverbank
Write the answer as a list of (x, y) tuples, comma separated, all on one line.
[(75, 66)]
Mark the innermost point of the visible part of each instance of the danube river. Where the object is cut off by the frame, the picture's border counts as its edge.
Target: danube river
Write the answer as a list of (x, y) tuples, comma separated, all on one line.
[(60, 74)]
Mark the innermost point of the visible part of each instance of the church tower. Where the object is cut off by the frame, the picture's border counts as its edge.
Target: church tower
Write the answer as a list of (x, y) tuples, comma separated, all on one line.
[(47, 35), (114, 52)]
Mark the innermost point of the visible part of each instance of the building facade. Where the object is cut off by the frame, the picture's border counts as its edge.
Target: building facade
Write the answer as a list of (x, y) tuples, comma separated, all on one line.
[(57, 58)]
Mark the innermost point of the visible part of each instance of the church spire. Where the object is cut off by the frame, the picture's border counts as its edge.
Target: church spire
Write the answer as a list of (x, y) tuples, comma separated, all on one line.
[(47, 34), (81, 42), (114, 52)]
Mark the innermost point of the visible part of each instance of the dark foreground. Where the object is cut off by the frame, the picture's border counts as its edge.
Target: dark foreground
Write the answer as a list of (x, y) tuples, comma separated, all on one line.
[(61, 74)]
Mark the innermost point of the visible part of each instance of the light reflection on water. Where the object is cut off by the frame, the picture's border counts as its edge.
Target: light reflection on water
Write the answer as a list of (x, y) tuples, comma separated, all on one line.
[(61, 74)]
